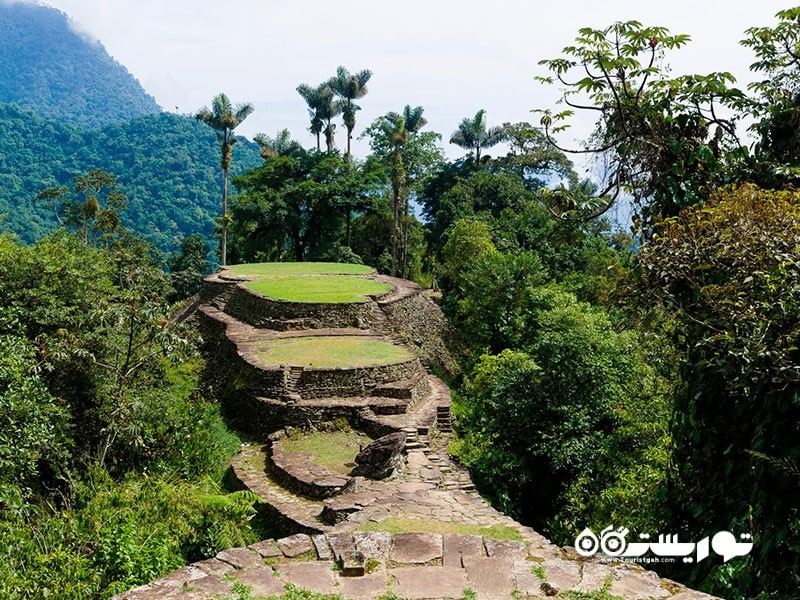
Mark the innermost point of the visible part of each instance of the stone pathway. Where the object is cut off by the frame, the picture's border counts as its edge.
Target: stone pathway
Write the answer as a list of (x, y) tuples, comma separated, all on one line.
[(365, 566)]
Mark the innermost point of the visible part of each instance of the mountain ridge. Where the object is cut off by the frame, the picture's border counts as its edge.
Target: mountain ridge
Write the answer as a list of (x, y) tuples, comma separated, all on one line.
[(58, 73)]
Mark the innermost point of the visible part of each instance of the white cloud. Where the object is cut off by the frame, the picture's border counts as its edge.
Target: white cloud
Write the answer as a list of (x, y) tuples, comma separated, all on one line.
[(452, 57)]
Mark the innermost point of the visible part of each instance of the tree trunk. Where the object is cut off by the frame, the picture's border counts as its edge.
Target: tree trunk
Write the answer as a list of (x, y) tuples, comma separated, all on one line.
[(349, 218), (224, 241)]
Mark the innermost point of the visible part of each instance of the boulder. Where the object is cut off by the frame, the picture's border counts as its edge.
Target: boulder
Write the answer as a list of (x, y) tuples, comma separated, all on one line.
[(382, 458)]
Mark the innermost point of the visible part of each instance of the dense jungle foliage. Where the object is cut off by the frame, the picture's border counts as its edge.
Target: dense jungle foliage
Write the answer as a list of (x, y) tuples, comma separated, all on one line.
[(166, 164), (646, 380), (111, 462)]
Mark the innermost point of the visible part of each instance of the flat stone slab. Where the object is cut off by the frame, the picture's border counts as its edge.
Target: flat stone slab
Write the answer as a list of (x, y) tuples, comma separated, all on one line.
[(295, 545), (429, 582), (507, 549), (457, 546), (341, 544), (209, 585), (491, 577), (633, 583), (317, 576), (266, 549), (367, 587), (323, 548), (416, 548), (373, 546), (262, 580), (181, 576), (562, 574), (241, 558), (212, 566)]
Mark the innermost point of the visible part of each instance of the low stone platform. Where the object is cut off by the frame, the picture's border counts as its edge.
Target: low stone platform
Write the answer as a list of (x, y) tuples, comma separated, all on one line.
[(364, 566)]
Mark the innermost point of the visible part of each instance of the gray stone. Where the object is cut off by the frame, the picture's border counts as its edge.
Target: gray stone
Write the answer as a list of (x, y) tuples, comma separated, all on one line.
[(353, 564), (507, 549), (416, 548), (593, 577), (211, 584), (317, 576), (212, 566), (180, 577), (456, 546), (322, 546), (374, 546), (633, 583), (262, 581), (295, 545), (562, 574), (382, 458), (241, 558), (340, 544), (430, 582), (490, 577), (266, 548), (367, 587)]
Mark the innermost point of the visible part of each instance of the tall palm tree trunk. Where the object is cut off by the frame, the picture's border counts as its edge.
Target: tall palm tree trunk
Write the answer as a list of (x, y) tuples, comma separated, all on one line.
[(224, 236)]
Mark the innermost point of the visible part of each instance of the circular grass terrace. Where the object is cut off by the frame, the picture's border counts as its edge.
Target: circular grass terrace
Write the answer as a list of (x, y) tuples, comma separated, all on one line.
[(334, 450), (330, 351), (323, 289), (285, 269), (324, 283)]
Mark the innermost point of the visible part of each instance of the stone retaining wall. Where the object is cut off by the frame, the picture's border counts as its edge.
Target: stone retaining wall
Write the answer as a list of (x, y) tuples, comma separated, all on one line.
[(260, 417), (241, 368), (299, 474), (419, 322), (358, 381), (260, 311)]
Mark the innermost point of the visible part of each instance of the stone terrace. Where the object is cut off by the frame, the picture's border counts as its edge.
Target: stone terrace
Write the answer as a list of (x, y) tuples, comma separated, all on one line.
[(329, 520)]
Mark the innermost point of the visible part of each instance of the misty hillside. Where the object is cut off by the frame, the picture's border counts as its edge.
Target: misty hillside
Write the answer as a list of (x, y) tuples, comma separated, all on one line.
[(57, 73)]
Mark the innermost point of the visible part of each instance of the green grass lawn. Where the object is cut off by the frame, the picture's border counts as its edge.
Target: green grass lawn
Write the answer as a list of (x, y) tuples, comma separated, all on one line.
[(299, 268), (335, 450), (318, 288), (330, 351), (411, 525)]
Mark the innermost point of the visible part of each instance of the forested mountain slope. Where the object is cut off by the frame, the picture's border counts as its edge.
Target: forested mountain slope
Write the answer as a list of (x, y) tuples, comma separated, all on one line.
[(51, 69), (167, 164)]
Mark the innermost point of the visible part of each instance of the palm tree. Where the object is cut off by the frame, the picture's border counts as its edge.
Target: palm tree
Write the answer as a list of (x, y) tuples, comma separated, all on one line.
[(281, 145), (223, 118), (397, 128), (350, 87), (323, 108), (472, 134)]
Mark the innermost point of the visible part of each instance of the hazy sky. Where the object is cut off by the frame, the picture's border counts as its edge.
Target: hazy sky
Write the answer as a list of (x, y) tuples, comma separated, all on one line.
[(451, 57)]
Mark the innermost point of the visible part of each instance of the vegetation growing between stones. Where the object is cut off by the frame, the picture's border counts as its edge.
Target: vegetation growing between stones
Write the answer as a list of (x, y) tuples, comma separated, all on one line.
[(411, 525)]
